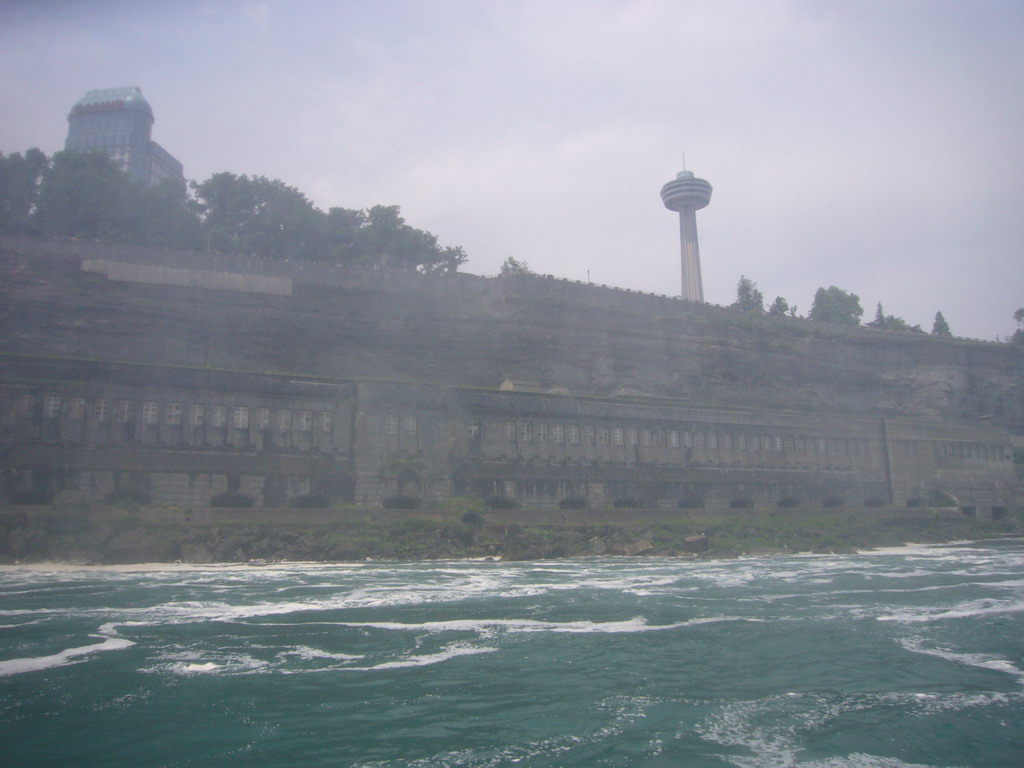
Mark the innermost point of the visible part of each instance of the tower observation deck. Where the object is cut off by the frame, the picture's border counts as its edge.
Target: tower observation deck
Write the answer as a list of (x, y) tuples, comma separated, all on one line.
[(687, 195)]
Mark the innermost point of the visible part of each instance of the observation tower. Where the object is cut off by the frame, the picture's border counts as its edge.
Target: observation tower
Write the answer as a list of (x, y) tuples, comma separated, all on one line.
[(687, 195)]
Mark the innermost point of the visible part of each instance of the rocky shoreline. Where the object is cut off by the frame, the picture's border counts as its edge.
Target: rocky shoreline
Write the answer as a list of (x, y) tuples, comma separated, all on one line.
[(113, 536)]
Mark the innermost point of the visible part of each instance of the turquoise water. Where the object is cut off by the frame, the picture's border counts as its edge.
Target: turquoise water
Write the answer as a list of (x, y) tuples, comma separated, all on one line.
[(909, 657)]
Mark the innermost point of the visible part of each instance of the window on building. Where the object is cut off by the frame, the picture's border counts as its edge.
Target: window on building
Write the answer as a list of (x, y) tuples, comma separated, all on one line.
[(588, 435), (687, 440), (26, 405), (673, 438), (196, 415), (574, 434), (240, 418), (713, 441), (741, 440), (557, 433), (219, 416), (474, 429), (631, 436), (409, 426), (76, 408), (525, 432), (602, 435), (126, 411), (305, 421), (150, 412), (391, 424), (284, 421), (51, 407), (262, 418), (617, 436), (542, 433), (755, 443), (326, 422), (778, 443), (699, 439), (821, 445), (173, 413), (101, 410), (510, 430), (727, 441), (646, 438)]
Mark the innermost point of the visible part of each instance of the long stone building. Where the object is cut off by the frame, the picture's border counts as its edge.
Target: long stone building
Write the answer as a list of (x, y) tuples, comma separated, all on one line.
[(182, 377)]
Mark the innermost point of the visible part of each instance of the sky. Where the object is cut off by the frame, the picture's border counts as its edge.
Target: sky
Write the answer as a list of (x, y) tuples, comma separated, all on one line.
[(875, 146)]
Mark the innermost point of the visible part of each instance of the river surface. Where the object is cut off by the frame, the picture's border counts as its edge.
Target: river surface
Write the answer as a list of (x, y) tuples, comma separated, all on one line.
[(908, 657)]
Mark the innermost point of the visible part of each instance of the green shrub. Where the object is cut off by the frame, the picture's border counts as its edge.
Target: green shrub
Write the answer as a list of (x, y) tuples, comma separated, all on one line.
[(32, 496), (232, 500), (573, 502), (874, 501), (121, 497), (308, 501), (626, 504), (463, 505), (832, 501), (400, 502), (500, 502), (789, 502)]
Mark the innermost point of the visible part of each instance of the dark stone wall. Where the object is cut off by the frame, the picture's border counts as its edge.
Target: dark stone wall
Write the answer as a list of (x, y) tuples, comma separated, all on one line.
[(410, 366), (469, 331)]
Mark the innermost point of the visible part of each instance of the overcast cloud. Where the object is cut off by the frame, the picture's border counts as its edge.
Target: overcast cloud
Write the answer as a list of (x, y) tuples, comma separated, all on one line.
[(871, 145)]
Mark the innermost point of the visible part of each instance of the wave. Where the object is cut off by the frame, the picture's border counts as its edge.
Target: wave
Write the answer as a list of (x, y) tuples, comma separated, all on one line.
[(62, 659), (981, 660), (628, 626), (448, 652), (966, 610)]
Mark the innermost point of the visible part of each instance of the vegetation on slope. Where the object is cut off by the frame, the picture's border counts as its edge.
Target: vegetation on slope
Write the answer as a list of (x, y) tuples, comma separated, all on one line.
[(107, 535), (85, 194)]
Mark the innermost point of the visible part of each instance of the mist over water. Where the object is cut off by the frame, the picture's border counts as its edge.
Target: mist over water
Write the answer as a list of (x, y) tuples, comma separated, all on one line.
[(909, 657)]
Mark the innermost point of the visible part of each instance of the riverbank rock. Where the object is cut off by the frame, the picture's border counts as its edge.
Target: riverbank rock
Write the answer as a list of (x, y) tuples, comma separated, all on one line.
[(698, 543), (638, 547)]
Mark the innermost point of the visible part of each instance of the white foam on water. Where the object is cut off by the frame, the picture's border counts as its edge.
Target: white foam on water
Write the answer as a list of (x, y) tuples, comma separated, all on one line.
[(311, 654), (635, 625), (452, 651), (980, 660), (967, 610), (775, 728), (62, 659), (188, 663), (860, 760), (193, 668)]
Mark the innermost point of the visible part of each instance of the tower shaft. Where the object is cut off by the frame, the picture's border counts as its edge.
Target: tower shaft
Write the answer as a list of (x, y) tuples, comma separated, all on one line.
[(692, 283)]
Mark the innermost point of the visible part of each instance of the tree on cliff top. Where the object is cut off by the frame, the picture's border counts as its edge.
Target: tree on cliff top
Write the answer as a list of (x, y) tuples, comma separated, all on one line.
[(779, 307), (387, 242), (513, 267), (940, 327), (86, 194), (1018, 335), (834, 305), (884, 322), (83, 194), (748, 297), (19, 189), (273, 220)]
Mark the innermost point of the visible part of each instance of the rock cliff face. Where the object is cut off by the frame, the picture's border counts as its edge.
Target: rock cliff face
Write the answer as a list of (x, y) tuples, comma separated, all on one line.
[(478, 332)]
